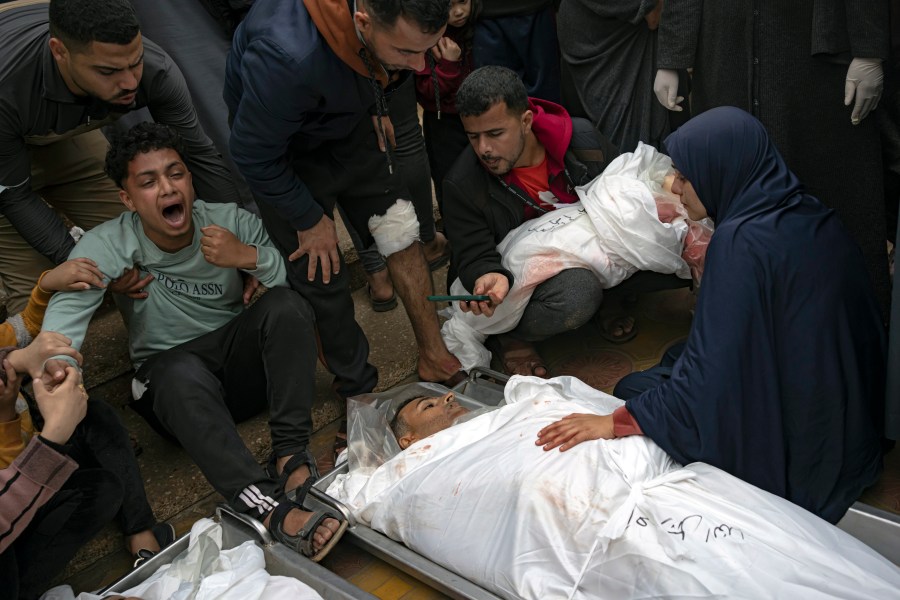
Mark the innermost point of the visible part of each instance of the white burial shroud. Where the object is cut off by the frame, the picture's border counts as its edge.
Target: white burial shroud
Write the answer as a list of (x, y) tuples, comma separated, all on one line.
[(606, 519)]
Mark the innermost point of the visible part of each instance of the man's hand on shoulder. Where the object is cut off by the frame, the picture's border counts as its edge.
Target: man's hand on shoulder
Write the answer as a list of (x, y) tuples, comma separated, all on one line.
[(495, 285), (321, 243), (222, 248)]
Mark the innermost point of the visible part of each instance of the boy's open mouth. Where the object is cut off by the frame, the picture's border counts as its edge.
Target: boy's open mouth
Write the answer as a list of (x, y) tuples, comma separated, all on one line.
[(174, 214)]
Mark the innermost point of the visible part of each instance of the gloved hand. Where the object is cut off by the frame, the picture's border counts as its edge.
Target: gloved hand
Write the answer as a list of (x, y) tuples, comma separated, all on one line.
[(666, 89), (865, 80)]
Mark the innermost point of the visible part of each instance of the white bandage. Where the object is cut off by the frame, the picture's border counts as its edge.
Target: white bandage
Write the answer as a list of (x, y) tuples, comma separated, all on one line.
[(397, 229)]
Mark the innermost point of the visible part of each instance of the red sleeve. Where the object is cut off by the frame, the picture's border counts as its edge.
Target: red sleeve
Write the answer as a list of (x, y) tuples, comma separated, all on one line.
[(424, 88), (624, 423), (450, 76)]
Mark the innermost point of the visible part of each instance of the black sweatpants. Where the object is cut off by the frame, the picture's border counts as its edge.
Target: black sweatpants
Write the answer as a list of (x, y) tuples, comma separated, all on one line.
[(195, 392), (351, 172), (412, 161), (101, 441), (562, 303)]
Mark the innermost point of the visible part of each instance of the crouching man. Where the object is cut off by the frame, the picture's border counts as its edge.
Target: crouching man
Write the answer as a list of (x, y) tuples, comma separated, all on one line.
[(203, 361), (527, 155)]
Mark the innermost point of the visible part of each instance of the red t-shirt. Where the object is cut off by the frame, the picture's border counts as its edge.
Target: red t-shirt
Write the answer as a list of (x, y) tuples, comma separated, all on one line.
[(535, 181)]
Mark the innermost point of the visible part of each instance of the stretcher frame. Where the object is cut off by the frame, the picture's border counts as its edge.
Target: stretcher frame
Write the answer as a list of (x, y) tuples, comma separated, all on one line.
[(876, 528), (280, 560), (879, 529)]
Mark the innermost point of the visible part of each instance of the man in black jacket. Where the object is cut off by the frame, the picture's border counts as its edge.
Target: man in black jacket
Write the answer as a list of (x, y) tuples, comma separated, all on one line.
[(527, 156), (67, 68), (304, 82)]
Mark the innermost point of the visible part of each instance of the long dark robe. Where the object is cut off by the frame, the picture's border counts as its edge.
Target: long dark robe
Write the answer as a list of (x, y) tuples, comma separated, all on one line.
[(785, 62), (781, 381), (892, 394), (611, 55), (890, 131)]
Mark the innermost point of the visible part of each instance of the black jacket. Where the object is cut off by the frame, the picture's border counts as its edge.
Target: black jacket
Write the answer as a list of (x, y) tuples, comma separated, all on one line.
[(479, 211)]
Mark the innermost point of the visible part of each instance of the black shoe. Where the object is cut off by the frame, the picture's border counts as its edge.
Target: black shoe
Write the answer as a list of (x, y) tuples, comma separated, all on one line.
[(164, 534)]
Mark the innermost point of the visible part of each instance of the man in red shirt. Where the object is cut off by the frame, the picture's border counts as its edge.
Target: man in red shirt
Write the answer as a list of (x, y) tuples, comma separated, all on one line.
[(527, 155)]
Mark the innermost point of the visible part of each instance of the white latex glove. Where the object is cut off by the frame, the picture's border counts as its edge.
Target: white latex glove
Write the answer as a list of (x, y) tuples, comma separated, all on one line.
[(666, 89), (865, 80)]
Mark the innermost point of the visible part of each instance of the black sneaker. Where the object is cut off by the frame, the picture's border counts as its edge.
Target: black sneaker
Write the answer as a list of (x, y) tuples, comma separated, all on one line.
[(164, 534)]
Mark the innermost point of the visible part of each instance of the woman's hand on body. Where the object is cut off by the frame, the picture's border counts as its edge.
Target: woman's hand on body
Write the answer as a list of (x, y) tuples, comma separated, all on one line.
[(573, 429)]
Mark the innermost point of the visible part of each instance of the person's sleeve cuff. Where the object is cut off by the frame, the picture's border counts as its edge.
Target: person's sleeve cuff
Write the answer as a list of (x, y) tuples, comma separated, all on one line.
[(624, 423), (44, 464)]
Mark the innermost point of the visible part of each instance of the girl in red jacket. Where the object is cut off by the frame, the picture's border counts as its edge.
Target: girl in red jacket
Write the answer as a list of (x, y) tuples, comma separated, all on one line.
[(445, 69)]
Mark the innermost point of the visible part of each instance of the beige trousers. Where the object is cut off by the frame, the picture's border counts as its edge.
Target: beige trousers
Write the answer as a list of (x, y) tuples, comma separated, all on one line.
[(68, 175)]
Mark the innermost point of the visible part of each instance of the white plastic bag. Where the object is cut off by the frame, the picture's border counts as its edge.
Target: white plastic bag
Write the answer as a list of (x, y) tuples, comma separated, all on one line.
[(206, 572)]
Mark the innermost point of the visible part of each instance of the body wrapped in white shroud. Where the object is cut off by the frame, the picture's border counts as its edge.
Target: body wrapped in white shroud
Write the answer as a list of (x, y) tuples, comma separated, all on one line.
[(606, 519)]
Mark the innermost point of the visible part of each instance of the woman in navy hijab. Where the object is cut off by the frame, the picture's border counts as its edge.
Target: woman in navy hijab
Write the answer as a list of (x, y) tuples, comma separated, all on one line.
[(781, 380)]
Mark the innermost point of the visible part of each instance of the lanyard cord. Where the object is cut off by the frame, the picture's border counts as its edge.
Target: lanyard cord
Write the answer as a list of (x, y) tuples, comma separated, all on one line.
[(434, 83), (381, 106), (525, 197), (522, 196)]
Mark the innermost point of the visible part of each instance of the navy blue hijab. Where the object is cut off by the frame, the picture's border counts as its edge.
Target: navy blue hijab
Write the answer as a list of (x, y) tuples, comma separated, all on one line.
[(782, 377)]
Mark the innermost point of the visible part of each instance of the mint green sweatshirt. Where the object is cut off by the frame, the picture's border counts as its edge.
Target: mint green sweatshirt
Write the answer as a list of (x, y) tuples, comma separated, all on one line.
[(188, 297)]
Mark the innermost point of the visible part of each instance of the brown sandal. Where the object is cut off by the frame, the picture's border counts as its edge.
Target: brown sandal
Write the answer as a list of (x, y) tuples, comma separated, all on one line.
[(519, 357)]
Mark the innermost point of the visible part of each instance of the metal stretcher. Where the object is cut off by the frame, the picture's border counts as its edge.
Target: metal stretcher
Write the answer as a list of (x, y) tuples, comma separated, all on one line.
[(237, 529), (876, 528)]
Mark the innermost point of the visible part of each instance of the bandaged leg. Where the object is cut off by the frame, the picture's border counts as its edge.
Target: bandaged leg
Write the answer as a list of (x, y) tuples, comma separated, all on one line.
[(397, 229), (402, 225), (396, 234)]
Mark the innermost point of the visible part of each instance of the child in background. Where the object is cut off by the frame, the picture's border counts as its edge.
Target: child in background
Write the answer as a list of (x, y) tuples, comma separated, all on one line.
[(446, 67)]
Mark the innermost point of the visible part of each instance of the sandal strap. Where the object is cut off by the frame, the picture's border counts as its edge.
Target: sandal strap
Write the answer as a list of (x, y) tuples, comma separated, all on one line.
[(302, 541), (299, 459), (142, 556), (299, 495), (276, 528)]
